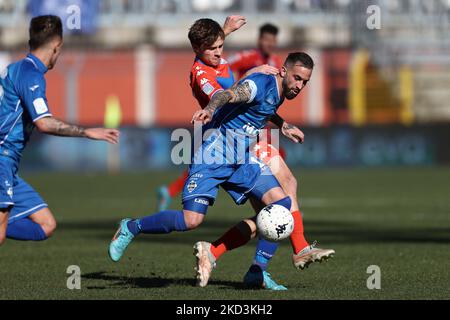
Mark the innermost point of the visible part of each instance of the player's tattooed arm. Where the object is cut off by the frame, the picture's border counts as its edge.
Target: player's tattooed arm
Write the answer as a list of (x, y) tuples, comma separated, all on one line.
[(53, 126), (289, 131), (57, 127), (236, 94), (293, 133)]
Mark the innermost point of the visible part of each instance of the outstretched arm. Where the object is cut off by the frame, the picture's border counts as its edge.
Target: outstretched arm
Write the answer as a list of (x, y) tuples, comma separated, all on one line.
[(290, 131), (53, 126), (236, 94)]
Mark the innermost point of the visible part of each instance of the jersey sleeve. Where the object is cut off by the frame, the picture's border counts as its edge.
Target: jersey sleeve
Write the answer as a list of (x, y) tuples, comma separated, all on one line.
[(258, 84), (32, 92), (206, 83)]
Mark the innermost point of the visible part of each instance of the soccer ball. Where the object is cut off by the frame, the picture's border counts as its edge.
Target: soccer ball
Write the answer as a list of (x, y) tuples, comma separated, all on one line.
[(275, 223)]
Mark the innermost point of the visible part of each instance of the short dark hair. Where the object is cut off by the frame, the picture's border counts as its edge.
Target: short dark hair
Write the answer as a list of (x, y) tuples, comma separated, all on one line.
[(268, 28), (204, 32), (44, 29), (299, 58)]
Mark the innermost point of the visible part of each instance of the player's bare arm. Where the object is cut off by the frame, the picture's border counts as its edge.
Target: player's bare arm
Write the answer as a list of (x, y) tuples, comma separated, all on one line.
[(236, 94), (290, 131), (53, 126)]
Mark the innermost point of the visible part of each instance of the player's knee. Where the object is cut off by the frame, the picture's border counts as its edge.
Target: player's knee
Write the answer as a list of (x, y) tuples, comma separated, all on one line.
[(49, 227), (193, 220)]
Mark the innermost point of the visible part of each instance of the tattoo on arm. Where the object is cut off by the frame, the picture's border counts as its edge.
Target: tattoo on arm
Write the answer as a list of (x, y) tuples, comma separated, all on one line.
[(219, 100), (59, 128), (287, 126), (241, 93), (236, 94)]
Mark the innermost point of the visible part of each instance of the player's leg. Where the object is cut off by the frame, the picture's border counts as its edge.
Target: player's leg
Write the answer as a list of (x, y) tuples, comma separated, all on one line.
[(162, 222), (304, 254), (195, 206), (257, 275), (4, 212), (29, 219), (6, 194), (167, 192)]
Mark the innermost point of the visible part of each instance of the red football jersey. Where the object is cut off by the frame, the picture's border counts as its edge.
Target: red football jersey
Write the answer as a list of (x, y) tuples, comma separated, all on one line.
[(243, 61), (207, 81)]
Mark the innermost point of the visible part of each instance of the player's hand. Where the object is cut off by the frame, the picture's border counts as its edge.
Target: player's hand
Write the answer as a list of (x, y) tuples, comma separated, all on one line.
[(265, 68), (293, 133), (233, 23), (204, 116), (109, 135)]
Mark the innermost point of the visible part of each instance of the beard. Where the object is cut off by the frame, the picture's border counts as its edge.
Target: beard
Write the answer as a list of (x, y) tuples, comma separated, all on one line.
[(289, 93)]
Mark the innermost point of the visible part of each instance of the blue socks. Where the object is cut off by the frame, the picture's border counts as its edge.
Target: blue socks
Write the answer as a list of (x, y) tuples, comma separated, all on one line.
[(265, 250), (25, 230), (159, 223)]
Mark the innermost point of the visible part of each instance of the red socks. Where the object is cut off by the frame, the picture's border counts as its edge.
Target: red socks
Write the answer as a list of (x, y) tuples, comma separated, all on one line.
[(234, 238), (298, 241)]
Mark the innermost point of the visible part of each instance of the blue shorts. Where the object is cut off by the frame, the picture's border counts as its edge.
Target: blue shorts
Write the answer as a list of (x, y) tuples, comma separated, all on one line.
[(241, 181), (16, 193)]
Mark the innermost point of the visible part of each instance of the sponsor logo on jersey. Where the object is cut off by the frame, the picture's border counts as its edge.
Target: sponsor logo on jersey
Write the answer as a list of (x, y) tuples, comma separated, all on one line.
[(201, 201), (199, 73), (33, 88), (203, 81)]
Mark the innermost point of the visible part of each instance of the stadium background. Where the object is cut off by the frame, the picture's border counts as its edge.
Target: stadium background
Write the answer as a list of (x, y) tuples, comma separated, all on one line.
[(376, 117)]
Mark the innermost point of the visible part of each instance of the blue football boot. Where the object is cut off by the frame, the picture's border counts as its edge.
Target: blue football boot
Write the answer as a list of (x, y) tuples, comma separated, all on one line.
[(120, 241), (257, 278)]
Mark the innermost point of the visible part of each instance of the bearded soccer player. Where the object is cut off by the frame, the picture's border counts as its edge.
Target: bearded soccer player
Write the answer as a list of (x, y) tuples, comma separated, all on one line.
[(256, 100), (24, 215), (209, 75)]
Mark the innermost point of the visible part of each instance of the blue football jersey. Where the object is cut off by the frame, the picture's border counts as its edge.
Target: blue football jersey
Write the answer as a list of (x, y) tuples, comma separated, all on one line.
[(234, 128), (252, 115), (22, 102)]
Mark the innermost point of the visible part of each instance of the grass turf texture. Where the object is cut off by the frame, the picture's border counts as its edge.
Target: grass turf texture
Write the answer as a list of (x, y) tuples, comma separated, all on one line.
[(398, 219)]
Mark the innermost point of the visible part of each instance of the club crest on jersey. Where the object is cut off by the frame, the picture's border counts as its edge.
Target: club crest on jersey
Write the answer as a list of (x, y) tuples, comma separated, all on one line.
[(191, 186), (208, 88)]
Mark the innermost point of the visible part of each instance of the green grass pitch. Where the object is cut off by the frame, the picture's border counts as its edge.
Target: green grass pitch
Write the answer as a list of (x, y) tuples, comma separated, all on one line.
[(397, 219)]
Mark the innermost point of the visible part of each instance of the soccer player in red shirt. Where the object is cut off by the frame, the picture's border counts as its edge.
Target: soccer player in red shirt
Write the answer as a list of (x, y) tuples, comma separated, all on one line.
[(209, 75), (245, 60)]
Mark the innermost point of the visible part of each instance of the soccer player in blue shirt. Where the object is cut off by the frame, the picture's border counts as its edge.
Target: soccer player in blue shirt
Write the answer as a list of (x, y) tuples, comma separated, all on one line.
[(241, 112), (24, 215)]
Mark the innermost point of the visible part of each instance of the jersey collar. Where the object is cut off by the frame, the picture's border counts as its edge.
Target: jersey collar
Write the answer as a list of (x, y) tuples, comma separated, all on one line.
[(37, 63)]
